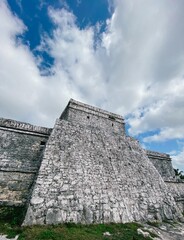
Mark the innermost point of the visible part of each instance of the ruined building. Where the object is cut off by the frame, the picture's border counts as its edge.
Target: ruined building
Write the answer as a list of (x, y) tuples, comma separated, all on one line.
[(85, 170)]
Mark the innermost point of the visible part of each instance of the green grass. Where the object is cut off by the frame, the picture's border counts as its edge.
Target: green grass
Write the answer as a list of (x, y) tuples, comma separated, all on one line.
[(83, 232), (11, 219)]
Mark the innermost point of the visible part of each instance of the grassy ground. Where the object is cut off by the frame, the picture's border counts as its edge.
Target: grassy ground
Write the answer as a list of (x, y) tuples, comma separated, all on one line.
[(11, 219)]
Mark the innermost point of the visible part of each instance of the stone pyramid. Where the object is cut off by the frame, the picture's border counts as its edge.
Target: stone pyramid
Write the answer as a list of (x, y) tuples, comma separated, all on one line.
[(91, 172)]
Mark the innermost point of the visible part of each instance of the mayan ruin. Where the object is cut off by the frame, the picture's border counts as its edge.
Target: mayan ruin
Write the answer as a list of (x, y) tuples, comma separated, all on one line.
[(85, 170)]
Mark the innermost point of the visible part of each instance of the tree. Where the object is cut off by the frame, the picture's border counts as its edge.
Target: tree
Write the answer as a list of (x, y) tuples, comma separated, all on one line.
[(178, 173)]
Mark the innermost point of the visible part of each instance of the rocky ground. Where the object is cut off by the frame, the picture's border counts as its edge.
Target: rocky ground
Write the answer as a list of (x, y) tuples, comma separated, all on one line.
[(165, 231), (3, 237)]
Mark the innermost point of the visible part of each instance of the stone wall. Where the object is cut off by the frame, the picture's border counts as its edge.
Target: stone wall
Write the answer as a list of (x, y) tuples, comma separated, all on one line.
[(163, 164), (93, 117), (23, 127), (176, 187), (92, 174), (21, 146)]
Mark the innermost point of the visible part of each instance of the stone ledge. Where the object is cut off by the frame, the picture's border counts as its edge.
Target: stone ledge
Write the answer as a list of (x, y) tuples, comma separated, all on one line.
[(11, 203), (158, 155), (19, 171), (24, 132), (73, 104), (174, 180), (6, 124), (181, 199)]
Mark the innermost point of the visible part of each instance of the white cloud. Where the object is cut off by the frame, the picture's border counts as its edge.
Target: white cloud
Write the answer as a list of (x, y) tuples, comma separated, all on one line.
[(136, 38), (26, 94), (76, 65), (146, 52), (166, 114), (20, 82), (137, 68), (18, 73)]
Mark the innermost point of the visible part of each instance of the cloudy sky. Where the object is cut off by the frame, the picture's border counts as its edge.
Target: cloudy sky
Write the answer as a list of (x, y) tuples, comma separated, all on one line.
[(125, 56)]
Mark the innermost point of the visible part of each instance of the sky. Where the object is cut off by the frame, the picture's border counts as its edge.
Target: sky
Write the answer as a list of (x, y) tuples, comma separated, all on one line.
[(124, 56)]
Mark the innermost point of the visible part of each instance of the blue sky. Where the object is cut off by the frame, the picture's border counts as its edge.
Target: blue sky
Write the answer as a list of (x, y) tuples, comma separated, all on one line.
[(123, 56)]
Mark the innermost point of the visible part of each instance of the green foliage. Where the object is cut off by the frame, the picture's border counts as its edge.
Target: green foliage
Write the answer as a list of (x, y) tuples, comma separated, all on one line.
[(179, 173), (112, 117), (10, 220), (12, 215), (154, 224)]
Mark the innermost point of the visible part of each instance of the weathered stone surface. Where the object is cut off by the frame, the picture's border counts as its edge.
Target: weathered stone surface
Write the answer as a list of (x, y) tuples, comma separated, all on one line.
[(176, 187), (94, 117), (143, 233), (92, 173), (37, 200), (16, 126), (166, 231), (21, 146), (163, 164), (4, 237)]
